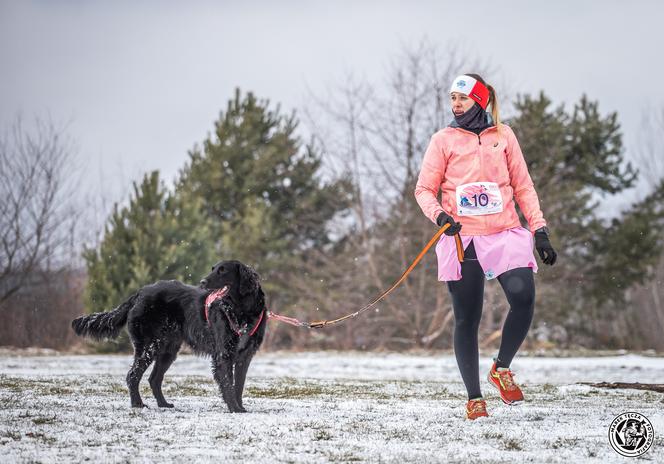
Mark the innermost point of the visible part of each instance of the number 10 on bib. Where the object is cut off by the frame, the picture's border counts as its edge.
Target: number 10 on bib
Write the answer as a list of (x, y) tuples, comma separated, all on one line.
[(478, 198)]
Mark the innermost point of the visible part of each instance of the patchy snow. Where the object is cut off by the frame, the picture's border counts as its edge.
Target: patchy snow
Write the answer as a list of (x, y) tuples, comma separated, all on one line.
[(320, 407)]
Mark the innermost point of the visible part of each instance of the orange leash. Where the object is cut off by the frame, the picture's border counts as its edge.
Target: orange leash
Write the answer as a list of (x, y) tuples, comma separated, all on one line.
[(321, 324)]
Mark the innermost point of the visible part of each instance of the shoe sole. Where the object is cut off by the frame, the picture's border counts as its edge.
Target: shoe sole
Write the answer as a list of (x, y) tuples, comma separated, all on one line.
[(509, 403)]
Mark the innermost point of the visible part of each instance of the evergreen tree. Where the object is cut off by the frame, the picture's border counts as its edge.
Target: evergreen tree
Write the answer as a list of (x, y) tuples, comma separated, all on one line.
[(261, 190), (157, 236), (575, 160)]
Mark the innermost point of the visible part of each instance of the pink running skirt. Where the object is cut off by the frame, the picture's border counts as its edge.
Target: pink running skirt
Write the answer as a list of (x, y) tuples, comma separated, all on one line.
[(496, 253)]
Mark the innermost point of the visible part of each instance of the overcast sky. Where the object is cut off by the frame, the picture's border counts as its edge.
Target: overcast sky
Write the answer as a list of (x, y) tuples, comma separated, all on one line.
[(141, 82)]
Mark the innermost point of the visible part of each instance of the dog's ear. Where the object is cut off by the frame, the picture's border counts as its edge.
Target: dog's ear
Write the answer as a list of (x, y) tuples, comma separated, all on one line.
[(248, 281)]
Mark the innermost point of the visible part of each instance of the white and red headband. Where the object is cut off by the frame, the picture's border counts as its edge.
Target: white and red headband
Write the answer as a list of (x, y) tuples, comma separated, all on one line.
[(473, 88)]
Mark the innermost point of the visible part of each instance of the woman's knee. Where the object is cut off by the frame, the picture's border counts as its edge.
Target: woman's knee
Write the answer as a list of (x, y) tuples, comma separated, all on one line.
[(519, 287), (467, 320)]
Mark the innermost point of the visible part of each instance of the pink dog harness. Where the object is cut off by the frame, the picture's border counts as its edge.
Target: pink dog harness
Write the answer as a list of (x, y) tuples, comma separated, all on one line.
[(219, 294)]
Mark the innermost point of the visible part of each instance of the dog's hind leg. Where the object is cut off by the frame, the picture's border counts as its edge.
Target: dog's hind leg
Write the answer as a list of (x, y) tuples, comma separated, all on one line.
[(142, 360), (162, 362), (223, 375)]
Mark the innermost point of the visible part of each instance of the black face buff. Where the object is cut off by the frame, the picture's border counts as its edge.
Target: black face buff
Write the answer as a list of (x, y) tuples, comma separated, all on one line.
[(474, 120)]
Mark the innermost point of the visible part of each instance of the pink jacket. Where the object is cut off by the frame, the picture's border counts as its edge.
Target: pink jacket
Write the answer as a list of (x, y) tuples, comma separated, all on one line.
[(456, 156)]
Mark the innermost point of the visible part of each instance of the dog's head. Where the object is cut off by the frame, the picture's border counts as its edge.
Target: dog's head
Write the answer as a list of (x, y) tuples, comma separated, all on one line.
[(241, 281)]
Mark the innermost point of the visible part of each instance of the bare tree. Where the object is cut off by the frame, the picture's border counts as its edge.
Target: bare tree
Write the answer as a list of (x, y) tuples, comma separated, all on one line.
[(648, 154), (36, 221), (377, 134), (645, 319)]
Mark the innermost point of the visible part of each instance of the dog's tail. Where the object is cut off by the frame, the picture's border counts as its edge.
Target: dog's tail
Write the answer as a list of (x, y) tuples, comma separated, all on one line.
[(104, 325)]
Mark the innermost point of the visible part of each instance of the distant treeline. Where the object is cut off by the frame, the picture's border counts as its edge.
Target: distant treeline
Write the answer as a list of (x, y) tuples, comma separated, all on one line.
[(330, 223)]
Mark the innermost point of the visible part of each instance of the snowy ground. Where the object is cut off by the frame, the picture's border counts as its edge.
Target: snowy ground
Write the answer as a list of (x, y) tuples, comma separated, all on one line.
[(320, 407)]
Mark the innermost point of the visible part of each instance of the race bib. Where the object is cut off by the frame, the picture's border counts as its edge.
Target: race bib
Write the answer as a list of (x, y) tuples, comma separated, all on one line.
[(478, 198)]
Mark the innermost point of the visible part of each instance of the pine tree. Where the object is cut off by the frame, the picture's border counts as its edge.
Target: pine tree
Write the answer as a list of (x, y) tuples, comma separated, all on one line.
[(261, 190), (156, 236), (575, 160)]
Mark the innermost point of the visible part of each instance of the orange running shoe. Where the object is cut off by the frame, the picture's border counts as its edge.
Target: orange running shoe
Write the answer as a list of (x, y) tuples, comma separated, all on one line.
[(476, 408), (503, 381)]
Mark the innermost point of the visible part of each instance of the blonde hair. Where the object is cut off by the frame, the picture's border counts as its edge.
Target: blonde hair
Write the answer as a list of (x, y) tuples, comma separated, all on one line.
[(493, 100)]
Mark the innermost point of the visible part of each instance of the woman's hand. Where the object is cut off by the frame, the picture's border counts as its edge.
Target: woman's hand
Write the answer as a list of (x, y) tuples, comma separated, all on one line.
[(444, 218), (543, 246)]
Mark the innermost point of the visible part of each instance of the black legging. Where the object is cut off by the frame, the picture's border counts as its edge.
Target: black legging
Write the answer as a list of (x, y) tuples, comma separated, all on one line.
[(467, 296)]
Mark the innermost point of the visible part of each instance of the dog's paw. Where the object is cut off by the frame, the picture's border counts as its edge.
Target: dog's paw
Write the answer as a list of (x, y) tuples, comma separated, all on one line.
[(236, 409), (139, 405), (166, 405)]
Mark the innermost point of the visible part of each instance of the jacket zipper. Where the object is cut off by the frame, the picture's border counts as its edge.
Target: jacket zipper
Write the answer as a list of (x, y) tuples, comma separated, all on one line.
[(479, 142)]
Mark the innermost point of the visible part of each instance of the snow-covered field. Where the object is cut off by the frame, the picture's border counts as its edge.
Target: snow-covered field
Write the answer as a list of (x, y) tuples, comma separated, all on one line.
[(320, 407)]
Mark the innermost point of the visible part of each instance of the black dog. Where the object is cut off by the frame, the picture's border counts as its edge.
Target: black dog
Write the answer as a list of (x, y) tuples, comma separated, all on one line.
[(225, 318)]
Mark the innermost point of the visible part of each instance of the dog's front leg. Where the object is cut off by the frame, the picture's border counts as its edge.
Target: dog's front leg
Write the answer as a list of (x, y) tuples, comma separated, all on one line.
[(222, 369), (241, 366)]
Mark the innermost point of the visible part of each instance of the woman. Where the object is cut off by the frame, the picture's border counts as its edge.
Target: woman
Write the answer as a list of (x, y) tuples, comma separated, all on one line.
[(478, 165)]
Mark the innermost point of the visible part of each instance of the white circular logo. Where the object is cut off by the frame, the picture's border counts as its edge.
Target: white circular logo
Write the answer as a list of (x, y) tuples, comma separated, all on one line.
[(631, 434)]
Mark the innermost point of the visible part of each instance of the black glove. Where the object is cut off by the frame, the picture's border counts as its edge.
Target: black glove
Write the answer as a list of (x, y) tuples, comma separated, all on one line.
[(444, 218), (543, 246)]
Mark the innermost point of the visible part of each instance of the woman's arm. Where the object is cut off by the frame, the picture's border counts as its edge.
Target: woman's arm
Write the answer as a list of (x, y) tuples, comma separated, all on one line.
[(429, 180), (522, 184)]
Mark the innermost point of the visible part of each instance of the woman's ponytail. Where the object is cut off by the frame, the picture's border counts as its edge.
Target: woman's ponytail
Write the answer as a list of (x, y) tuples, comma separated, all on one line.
[(493, 101)]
